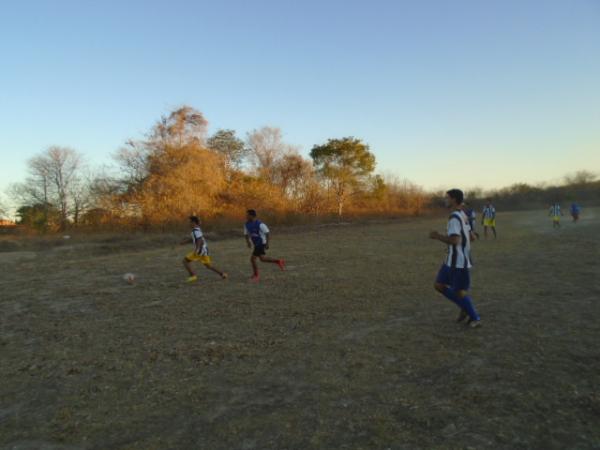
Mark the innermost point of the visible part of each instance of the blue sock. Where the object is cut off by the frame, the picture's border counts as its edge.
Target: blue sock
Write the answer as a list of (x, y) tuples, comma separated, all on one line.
[(467, 305), (450, 294)]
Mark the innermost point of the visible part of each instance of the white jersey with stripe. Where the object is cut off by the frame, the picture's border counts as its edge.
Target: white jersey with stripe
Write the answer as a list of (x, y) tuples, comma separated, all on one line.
[(555, 210), (197, 234), (489, 212), (459, 255)]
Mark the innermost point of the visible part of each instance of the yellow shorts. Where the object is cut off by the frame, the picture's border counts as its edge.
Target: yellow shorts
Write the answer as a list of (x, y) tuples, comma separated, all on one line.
[(204, 259), (556, 218), (489, 222)]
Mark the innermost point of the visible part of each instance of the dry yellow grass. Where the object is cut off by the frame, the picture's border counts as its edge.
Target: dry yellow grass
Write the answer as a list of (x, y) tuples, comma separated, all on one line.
[(351, 348)]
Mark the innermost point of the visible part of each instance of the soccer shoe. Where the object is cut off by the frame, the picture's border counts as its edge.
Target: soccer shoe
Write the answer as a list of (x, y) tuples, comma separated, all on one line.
[(254, 279), (462, 316), (474, 323), (192, 279), (281, 264), (224, 276)]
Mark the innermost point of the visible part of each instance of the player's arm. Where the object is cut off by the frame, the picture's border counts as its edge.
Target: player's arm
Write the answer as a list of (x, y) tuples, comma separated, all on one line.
[(199, 245), (265, 230), (449, 240), (247, 237)]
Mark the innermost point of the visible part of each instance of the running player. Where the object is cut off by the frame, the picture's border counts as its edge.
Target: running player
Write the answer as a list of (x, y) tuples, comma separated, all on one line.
[(555, 213), (488, 218), (454, 279), (200, 252), (257, 235), (575, 211)]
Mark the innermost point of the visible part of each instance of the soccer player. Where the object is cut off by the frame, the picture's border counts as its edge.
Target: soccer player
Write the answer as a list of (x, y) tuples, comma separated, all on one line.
[(488, 218), (257, 235), (555, 213), (471, 216), (575, 211), (453, 279), (200, 252)]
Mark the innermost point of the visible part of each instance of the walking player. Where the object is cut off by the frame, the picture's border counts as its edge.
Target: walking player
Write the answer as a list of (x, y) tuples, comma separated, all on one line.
[(453, 279)]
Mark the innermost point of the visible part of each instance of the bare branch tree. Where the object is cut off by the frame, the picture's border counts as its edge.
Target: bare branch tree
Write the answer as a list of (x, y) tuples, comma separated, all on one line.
[(52, 177), (267, 148)]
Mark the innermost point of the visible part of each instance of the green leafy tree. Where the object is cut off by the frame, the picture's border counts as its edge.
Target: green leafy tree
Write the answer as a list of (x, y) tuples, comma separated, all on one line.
[(229, 146), (40, 216), (346, 163)]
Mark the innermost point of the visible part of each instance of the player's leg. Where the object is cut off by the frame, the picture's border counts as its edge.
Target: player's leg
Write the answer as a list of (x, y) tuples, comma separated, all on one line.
[(207, 262), (254, 267), (188, 266), (461, 284), (279, 262), (442, 285), (494, 231), (187, 263), (485, 232), (467, 305)]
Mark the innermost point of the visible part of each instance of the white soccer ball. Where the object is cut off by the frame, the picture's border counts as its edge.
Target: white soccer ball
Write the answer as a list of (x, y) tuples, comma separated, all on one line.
[(129, 278)]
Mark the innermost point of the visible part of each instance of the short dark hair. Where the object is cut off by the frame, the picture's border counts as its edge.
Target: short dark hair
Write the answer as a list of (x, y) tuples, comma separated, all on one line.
[(251, 212), (457, 195), (195, 219)]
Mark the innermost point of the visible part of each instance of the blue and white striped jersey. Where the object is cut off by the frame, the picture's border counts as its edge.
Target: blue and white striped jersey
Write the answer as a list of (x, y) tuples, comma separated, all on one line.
[(459, 255), (489, 212), (197, 234), (555, 210)]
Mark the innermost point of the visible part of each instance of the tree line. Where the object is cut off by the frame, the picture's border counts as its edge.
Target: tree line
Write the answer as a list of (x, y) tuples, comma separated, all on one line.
[(177, 169)]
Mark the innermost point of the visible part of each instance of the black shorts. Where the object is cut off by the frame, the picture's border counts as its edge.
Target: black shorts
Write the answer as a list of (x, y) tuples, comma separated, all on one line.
[(259, 250)]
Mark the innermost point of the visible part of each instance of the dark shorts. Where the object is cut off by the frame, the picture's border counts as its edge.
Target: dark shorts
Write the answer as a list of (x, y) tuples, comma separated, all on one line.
[(259, 250), (457, 279)]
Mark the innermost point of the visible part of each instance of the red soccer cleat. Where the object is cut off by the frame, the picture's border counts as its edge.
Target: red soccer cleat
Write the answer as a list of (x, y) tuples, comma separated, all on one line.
[(254, 279), (281, 264)]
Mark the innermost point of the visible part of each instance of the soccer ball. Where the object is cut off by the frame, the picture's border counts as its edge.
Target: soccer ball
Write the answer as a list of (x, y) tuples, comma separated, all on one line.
[(129, 278)]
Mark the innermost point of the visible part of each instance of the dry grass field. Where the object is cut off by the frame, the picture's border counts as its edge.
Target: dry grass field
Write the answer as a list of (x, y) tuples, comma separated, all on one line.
[(351, 348)]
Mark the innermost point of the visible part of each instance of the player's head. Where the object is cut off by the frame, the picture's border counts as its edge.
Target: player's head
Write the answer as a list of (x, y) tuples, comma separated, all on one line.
[(454, 198), (194, 221), (251, 214), (489, 201)]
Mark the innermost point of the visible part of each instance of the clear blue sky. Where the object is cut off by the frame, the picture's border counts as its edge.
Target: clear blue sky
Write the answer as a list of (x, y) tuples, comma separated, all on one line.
[(447, 93)]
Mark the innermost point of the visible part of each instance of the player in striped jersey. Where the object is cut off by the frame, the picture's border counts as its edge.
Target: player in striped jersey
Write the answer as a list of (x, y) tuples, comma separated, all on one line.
[(555, 213), (488, 218), (454, 279), (200, 252)]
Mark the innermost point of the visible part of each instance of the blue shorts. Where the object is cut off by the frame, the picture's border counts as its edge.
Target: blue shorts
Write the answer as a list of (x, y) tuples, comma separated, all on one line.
[(457, 279)]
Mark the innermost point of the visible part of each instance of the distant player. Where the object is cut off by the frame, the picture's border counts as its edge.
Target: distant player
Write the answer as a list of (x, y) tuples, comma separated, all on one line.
[(555, 213), (453, 279), (471, 216), (200, 252), (488, 218), (575, 211), (257, 235)]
